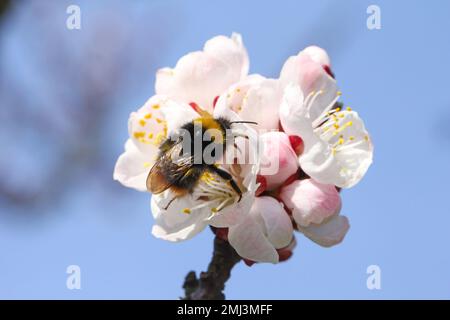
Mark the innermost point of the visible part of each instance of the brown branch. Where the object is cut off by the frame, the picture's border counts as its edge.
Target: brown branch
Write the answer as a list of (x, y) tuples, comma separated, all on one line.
[(211, 283)]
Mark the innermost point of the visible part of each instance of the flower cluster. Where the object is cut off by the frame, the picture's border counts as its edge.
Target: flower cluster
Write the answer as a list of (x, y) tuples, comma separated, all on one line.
[(309, 146)]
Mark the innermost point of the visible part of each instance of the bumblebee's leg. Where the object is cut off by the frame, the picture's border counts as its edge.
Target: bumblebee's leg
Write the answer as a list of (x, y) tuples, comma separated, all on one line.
[(226, 176), (170, 202), (240, 135)]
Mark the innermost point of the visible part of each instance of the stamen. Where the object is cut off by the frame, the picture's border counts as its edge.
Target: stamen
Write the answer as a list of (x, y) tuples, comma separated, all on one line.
[(313, 98), (350, 145), (325, 112), (308, 97), (218, 193)]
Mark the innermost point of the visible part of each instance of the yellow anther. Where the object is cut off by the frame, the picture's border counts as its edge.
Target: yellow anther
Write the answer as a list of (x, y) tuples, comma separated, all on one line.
[(366, 138), (147, 164), (349, 124), (150, 135), (139, 134), (339, 93), (336, 126), (214, 210), (349, 109), (187, 210), (341, 140), (338, 109), (159, 120), (148, 116), (351, 138), (238, 90), (156, 106), (159, 138), (142, 122)]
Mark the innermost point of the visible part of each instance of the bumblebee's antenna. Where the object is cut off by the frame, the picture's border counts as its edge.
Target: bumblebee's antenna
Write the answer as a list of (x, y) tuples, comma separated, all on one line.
[(251, 122)]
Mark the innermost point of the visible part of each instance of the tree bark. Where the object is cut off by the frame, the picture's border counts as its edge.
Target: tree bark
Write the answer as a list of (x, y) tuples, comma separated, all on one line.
[(211, 283)]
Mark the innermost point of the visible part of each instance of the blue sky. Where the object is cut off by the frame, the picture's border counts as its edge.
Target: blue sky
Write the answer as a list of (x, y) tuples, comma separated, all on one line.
[(395, 77)]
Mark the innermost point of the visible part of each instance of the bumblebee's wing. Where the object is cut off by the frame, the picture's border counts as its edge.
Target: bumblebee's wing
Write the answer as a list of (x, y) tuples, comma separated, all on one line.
[(171, 164), (156, 181)]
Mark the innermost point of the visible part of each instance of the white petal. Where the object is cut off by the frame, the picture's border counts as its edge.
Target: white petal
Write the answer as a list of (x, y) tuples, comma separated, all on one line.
[(261, 104), (293, 114), (318, 55), (201, 76), (132, 167), (231, 51), (249, 241), (295, 121), (233, 97), (264, 229), (254, 99), (278, 225), (312, 78), (173, 224), (329, 233), (147, 126)]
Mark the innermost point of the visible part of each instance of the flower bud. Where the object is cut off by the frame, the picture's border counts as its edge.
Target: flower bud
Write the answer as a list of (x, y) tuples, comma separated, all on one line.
[(279, 159), (310, 201)]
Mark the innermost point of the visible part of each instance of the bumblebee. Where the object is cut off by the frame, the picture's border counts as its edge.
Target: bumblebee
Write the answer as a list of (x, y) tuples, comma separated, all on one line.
[(179, 166)]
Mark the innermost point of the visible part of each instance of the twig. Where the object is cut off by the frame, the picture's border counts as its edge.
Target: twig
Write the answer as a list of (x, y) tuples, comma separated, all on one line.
[(211, 284)]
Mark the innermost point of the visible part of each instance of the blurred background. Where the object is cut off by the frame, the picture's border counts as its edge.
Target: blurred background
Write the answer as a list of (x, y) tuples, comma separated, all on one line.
[(65, 97)]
